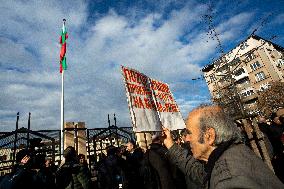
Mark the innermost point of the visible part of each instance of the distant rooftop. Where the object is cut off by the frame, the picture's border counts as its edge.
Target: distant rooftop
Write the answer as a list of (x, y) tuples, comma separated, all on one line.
[(209, 66)]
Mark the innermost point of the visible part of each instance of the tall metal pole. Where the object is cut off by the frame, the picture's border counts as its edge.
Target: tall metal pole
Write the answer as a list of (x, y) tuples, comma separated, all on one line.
[(29, 128), (16, 138), (116, 131), (62, 112), (108, 120), (76, 137), (114, 119), (62, 60)]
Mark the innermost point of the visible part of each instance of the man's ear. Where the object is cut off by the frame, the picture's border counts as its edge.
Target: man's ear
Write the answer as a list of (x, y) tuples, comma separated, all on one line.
[(211, 136)]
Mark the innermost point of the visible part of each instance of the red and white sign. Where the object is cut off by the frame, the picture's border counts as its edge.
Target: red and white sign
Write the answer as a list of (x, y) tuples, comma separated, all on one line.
[(151, 103)]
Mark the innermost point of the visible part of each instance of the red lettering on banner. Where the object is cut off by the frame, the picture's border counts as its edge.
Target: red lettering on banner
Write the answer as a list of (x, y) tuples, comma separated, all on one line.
[(166, 97), (153, 85), (171, 98), (156, 85), (134, 76), (143, 79), (174, 108), (149, 104), (159, 107), (168, 107), (126, 73), (137, 102), (132, 88)]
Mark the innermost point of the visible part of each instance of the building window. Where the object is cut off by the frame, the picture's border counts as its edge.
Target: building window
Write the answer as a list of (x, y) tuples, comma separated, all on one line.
[(230, 54), (212, 78), (263, 87), (249, 57), (260, 76), (239, 72), (244, 80), (248, 93), (280, 62), (244, 45), (251, 102), (255, 65)]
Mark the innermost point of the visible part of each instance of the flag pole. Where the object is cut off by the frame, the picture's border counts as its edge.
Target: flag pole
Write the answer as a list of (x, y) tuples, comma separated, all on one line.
[(62, 112), (62, 104)]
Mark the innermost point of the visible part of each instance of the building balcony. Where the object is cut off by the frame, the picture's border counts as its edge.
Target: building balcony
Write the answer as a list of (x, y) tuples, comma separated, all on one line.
[(247, 99), (223, 84), (251, 108), (239, 77), (243, 86)]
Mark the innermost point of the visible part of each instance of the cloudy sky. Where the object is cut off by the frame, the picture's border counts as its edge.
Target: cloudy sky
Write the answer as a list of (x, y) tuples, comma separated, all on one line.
[(168, 40)]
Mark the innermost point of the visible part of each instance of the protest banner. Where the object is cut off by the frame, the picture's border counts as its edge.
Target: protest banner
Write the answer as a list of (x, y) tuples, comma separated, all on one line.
[(150, 102)]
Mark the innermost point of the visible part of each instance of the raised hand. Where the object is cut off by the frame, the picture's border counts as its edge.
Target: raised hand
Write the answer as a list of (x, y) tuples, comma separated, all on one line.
[(25, 159), (167, 137)]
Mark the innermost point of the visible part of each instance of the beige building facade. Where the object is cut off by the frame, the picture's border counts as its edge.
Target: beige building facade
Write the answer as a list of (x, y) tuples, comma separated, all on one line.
[(248, 69), (75, 135)]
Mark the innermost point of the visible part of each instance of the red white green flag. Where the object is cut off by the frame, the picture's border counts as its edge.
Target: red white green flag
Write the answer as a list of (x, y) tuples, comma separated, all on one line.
[(63, 38)]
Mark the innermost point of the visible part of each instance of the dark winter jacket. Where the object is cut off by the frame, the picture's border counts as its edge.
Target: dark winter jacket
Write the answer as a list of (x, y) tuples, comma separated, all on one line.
[(21, 177), (72, 175), (237, 167), (192, 168), (159, 161)]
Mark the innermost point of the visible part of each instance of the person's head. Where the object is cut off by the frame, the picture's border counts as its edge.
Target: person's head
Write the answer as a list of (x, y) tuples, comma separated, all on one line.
[(184, 135), (111, 150), (48, 162), (70, 153), (130, 146), (101, 156), (275, 119), (156, 138), (209, 127), (261, 119)]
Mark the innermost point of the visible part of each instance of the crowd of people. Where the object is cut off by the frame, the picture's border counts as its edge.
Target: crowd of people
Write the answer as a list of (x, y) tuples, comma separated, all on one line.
[(209, 153)]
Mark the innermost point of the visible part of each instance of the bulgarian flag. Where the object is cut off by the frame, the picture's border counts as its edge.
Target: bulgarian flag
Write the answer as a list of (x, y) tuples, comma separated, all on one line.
[(63, 38)]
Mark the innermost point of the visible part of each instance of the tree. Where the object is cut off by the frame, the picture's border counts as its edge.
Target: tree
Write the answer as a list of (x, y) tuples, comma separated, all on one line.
[(272, 98)]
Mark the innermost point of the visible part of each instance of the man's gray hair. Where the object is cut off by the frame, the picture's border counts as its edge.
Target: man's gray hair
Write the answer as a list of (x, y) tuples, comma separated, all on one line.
[(225, 129)]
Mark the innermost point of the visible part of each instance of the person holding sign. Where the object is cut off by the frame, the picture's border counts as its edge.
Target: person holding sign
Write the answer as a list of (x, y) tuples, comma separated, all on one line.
[(215, 139)]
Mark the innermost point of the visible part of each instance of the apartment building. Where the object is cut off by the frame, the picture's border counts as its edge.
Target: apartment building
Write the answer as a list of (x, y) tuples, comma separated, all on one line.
[(246, 70)]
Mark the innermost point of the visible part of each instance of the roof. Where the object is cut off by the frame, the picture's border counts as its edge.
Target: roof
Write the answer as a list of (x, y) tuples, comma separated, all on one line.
[(209, 66)]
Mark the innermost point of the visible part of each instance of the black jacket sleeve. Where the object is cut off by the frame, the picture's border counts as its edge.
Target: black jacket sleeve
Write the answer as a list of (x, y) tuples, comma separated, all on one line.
[(187, 164)]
